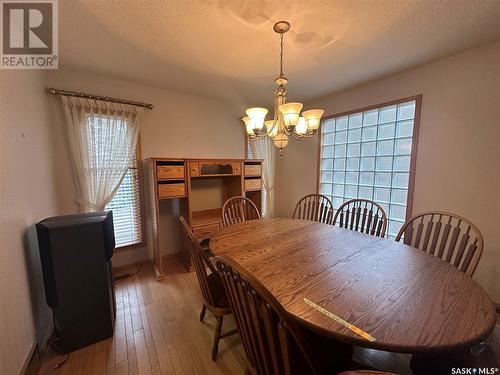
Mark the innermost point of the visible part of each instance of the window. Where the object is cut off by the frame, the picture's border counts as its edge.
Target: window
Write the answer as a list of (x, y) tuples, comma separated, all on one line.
[(368, 154), (249, 151), (263, 194), (126, 203), (127, 210)]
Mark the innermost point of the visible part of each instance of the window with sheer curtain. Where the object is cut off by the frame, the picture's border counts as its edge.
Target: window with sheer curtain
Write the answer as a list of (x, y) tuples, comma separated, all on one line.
[(250, 156), (102, 138), (127, 210), (368, 154), (126, 204)]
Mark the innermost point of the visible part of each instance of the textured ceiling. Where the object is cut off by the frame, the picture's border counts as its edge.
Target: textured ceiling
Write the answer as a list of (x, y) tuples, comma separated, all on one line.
[(227, 49)]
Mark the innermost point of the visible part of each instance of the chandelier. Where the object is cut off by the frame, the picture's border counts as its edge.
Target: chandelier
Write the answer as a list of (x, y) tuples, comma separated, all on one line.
[(288, 121)]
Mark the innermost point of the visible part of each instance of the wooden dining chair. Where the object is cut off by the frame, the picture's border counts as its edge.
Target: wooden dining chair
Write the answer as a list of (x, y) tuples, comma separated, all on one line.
[(450, 237), (362, 215), (212, 289), (314, 207), (273, 342), (238, 209)]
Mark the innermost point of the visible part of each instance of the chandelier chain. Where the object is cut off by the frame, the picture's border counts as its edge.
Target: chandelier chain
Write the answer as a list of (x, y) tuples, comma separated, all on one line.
[(281, 55)]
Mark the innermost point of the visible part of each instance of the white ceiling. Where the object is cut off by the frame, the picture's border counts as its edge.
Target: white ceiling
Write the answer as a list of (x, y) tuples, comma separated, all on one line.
[(227, 49)]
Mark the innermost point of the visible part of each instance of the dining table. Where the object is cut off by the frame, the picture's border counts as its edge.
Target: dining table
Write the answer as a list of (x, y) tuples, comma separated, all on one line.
[(360, 289)]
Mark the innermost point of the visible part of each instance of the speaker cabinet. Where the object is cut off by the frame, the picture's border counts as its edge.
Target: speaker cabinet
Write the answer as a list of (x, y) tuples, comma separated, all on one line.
[(75, 253)]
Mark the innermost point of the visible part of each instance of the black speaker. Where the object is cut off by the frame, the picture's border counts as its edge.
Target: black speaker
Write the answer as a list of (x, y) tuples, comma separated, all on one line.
[(75, 252)]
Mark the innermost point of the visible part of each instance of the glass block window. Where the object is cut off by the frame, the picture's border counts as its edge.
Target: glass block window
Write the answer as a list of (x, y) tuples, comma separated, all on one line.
[(367, 155)]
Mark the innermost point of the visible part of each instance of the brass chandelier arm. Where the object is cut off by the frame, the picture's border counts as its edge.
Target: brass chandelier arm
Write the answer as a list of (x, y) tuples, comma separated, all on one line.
[(258, 137), (299, 137)]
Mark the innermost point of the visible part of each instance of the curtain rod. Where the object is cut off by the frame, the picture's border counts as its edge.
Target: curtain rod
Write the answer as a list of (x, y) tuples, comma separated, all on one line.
[(97, 97)]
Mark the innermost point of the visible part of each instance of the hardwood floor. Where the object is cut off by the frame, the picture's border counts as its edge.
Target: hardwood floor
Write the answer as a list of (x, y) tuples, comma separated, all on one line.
[(158, 332)]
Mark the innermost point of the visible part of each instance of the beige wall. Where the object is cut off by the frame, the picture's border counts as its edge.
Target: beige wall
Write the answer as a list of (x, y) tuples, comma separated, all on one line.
[(457, 168), (180, 125), (36, 180), (458, 161), (27, 195)]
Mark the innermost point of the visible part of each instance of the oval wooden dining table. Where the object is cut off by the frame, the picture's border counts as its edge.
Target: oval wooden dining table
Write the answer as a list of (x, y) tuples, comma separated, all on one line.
[(392, 296)]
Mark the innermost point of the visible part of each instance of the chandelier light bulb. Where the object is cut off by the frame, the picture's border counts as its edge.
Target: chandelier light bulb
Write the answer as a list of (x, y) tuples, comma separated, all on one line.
[(301, 127), (313, 119), (257, 116), (291, 114)]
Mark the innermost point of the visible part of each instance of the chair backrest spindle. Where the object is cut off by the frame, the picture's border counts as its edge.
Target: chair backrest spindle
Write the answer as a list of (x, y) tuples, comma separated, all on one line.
[(239, 209), (200, 262), (272, 342), (314, 207), (362, 215), (450, 237)]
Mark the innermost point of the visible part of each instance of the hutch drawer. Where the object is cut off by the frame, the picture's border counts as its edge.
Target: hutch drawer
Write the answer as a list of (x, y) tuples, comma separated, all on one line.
[(253, 170), (171, 190), (205, 230), (253, 184), (170, 171)]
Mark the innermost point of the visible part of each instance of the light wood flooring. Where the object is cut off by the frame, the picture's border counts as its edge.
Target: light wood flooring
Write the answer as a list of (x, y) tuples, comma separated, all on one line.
[(158, 332)]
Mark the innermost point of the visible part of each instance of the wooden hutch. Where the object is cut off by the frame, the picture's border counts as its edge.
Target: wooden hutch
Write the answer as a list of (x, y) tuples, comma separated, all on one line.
[(201, 186)]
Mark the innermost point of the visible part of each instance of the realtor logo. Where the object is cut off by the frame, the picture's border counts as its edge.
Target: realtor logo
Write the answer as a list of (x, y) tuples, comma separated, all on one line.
[(29, 34)]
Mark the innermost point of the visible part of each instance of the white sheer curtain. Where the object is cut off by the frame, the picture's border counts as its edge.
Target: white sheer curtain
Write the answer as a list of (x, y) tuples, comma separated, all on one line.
[(102, 140), (264, 149)]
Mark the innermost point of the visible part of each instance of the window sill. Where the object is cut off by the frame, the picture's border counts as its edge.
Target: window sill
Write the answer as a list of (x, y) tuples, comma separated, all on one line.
[(134, 246)]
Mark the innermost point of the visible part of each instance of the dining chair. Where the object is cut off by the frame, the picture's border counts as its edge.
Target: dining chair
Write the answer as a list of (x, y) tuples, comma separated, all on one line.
[(273, 342), (448, 236), (212, 289), (314, 207), (362, 215), (238, 209)]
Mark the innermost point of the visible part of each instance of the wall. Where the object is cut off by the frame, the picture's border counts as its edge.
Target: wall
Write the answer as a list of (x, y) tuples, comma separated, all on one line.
[(27, 195), (458, 160), (207, 194), (179, 125)]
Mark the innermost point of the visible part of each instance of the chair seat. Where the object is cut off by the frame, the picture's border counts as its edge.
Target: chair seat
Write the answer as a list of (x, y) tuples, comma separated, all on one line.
[(217, 291)]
